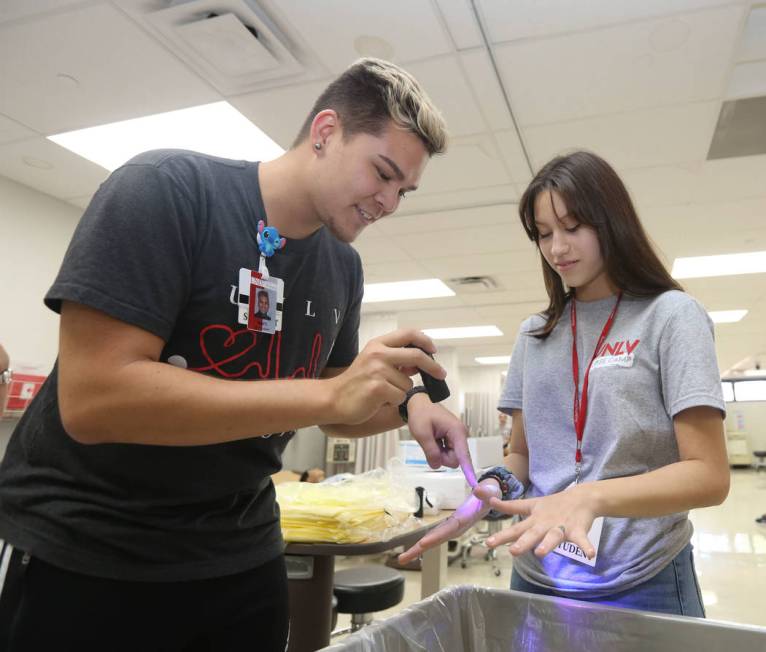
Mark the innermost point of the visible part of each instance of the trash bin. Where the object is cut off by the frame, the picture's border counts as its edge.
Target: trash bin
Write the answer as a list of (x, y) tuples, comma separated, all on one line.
[(476, 619)]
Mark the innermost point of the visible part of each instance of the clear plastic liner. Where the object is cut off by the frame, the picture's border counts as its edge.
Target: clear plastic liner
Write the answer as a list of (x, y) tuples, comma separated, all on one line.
[(363, 508), (476, 619)]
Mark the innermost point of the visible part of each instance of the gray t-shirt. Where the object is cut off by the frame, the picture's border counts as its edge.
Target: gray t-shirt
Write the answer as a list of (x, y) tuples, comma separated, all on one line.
[(658, 359)]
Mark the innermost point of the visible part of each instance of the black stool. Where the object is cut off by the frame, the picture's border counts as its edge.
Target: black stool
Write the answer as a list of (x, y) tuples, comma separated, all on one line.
[(363, 590), (761, 461)]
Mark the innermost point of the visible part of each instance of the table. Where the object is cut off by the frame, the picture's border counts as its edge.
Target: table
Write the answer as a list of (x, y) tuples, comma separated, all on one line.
[(310, 576)]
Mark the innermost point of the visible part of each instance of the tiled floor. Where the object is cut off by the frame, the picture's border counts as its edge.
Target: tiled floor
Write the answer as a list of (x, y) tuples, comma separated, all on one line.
[(730, 556)]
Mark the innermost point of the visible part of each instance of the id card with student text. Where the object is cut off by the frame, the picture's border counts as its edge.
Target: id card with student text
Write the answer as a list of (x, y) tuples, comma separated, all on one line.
[(261, 301)]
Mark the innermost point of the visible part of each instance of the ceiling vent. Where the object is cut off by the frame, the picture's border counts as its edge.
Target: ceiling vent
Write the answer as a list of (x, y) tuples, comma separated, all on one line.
[(233, 44), (473, 284), (741, 129)]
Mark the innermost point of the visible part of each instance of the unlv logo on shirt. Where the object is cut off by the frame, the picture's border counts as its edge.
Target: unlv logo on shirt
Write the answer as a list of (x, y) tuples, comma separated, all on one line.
[(619, 354), (619, 348)]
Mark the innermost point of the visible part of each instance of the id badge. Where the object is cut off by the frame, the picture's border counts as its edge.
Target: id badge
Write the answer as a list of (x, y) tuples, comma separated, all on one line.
[(573, 551), (261, 300)]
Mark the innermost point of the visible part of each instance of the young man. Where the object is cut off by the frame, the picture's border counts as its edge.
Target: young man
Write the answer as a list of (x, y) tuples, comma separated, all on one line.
[(263, 305), (135, 495)]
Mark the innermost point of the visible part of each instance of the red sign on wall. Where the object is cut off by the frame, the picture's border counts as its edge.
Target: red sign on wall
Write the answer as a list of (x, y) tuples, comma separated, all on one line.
[(23, 388)]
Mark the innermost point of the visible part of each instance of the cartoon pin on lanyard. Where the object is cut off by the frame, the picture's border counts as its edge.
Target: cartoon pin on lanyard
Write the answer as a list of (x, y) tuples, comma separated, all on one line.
[(263, 312)]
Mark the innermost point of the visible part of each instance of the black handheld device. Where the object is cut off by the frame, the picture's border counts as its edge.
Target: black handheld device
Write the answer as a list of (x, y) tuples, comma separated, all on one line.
[(437, 389)]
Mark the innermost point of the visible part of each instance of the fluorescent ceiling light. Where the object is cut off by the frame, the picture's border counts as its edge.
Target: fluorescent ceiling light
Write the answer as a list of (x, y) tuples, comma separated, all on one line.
[(494, 359), (461, 332), (217, 129), (726, 316), (405, 290), (723, 265)]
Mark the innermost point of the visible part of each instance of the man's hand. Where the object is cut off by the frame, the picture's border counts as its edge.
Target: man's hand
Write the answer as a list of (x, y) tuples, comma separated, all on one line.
[(441, 435), (474, 508), (380, 375)]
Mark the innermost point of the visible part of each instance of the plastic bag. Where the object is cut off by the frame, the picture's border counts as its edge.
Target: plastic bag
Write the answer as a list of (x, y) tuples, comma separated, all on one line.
[(476, 619), (346, 508)]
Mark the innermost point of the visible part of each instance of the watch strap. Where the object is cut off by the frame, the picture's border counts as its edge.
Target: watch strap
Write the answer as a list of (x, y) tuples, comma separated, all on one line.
[(510, 486), (419, 389)]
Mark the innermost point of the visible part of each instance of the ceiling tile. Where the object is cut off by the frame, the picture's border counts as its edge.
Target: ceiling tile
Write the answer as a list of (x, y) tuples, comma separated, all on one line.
[(747, 80), (513, 155), (489, 305), (461, 23), (466, 241), (434, 306), (68, 176), (664, 136), (57, 87), (379, 249), (471, 162), (447, 220), (13, 10), (708, 229), (716, 181), (727, 292), (280, 112), (340, 32), (653, 63), (441, 317), (418, 203), (446, 84), (80, 202), (403, 270), (10, 130), (524, 19), (753, 45), (481, 76), (523, 258)]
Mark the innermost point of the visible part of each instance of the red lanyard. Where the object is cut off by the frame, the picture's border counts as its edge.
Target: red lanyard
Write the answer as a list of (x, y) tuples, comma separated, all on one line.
[(580, 411)]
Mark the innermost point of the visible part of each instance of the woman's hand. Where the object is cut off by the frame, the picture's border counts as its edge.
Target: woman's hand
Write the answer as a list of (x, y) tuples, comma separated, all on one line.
[(549, 521), (474, 508)]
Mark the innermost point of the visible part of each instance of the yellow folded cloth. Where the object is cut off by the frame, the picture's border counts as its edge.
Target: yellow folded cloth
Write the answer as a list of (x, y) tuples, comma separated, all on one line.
[(352, 509)]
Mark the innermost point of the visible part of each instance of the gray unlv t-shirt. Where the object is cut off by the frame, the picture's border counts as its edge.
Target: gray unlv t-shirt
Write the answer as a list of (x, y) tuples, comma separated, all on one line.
[(658, 360)]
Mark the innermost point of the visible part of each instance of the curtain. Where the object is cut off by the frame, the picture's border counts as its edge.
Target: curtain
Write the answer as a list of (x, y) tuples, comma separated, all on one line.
[(373, 452)]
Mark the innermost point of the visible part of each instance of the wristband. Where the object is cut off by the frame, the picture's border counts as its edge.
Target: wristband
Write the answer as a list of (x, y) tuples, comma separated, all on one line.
[(419, 389), (510, 486)]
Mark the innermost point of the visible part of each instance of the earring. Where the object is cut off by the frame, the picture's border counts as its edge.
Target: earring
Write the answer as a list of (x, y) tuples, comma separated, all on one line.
[(317, 146)]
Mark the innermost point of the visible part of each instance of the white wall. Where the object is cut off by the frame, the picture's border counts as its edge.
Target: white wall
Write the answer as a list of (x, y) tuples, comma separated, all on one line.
[(748, 417), (481, 380), (35, 230)]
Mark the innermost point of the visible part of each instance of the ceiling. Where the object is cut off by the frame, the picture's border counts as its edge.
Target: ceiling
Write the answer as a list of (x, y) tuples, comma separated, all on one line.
[(642, 84)]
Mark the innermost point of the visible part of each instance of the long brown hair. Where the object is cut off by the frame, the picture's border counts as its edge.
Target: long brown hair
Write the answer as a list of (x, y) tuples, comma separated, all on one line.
[(594, 195)]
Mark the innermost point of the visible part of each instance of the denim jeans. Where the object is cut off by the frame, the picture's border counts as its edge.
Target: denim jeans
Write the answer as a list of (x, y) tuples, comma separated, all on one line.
[(674, 590)]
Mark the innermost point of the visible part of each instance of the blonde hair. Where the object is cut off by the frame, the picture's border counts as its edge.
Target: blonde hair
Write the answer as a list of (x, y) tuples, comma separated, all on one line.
[(370, 93)]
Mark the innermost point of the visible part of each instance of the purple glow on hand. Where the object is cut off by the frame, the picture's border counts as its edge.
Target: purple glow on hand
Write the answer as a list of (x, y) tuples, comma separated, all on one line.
[(470, 510), (470, 476)]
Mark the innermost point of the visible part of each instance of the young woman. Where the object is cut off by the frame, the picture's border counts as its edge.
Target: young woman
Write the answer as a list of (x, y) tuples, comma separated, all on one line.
[(615, 396)]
